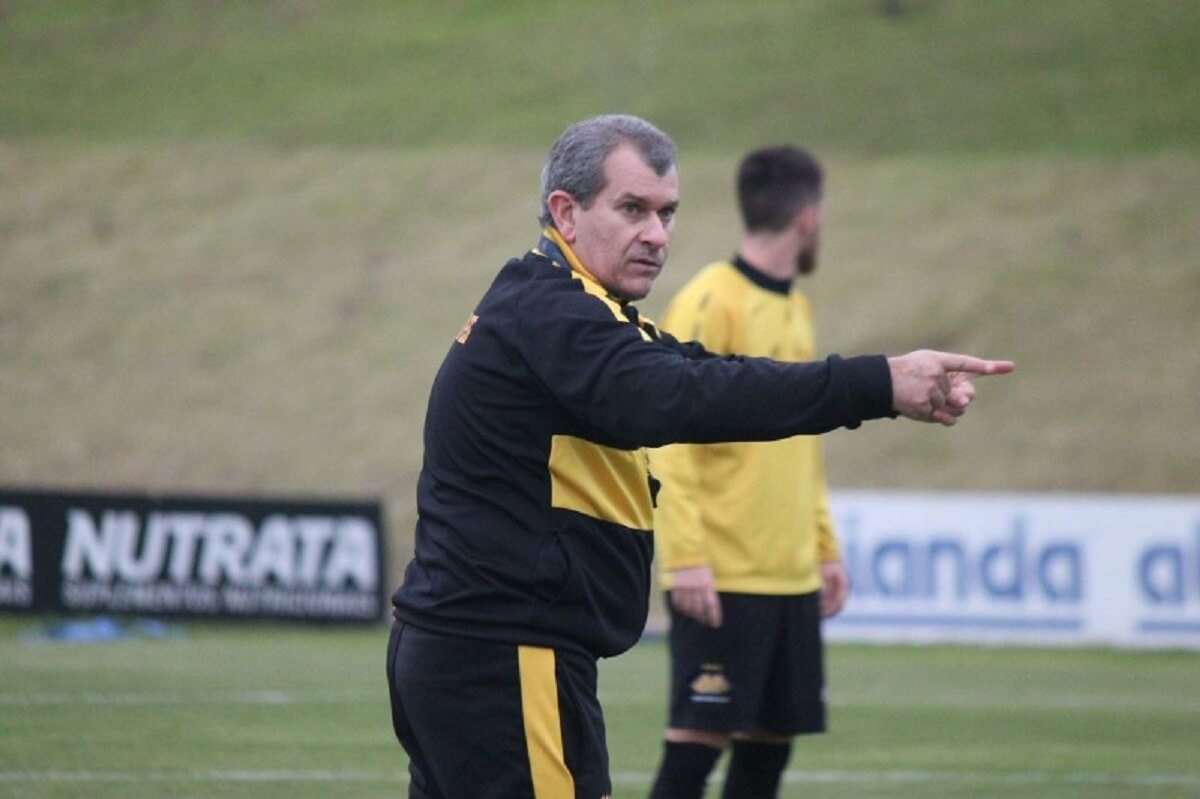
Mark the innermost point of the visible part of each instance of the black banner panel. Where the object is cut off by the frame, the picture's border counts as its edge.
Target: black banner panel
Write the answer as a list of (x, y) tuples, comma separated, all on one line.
[(159, 555)]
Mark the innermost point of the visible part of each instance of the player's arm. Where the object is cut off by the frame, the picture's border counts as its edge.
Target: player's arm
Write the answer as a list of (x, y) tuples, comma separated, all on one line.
[(644, 393), (680, 534), (835, 581)]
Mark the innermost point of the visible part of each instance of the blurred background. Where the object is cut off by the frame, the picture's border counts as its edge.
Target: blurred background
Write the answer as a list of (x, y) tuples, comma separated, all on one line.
[(237, 238)]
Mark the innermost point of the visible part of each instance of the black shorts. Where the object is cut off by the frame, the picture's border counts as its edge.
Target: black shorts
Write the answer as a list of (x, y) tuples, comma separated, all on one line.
[(485, 720), (761, 671)]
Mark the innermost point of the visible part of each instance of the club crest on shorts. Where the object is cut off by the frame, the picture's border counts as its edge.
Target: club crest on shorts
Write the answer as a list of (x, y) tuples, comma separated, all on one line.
[(711, 685)]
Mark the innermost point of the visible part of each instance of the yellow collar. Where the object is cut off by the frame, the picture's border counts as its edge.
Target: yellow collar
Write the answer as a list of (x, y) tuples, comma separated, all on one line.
[(572, 259)]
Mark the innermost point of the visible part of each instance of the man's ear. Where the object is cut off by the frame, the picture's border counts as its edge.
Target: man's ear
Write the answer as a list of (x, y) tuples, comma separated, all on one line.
[(562, 210), (808, 219)]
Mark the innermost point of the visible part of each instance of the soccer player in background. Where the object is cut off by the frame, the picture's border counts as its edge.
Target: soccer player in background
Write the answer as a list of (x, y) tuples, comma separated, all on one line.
[(743, 534)]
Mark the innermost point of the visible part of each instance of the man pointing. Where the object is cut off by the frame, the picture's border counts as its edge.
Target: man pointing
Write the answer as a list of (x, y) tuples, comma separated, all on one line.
[(535, 501)]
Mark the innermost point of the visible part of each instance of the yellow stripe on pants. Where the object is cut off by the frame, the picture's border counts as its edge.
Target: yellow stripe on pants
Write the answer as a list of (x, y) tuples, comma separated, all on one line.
[(543, 729)]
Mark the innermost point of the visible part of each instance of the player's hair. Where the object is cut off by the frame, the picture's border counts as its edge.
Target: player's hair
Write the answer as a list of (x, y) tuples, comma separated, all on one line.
[(776, 183), (576, 161)]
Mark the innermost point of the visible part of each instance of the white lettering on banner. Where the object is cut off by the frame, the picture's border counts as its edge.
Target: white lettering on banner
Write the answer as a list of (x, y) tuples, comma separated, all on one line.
[(273, 557), (351, 552), (16, 558), (1028, 568), (186, 528), (16, 550), (287, 552), (229, 539), (86, 545), (15, 593), (165, 597), (315, 533)]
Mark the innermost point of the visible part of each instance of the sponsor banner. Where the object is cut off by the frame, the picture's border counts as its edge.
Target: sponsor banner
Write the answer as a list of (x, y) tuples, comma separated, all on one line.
[(158, 555), (1049, 569)]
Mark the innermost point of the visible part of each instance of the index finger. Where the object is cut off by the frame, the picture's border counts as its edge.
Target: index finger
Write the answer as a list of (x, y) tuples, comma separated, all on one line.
[(953, 362)]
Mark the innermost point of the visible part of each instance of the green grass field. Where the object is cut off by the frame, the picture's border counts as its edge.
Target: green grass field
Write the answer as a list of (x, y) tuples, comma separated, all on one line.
[(270, 711)]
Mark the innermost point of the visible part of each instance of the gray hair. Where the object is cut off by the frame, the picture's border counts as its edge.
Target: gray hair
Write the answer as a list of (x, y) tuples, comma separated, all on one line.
[(576, 161)]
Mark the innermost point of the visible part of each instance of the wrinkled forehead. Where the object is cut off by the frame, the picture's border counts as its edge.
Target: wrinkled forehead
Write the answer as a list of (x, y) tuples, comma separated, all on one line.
[(627, 173)]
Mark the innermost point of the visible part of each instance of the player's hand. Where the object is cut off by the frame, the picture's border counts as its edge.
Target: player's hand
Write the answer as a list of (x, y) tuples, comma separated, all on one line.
[(835, 588), (694, 594), (932, 386)]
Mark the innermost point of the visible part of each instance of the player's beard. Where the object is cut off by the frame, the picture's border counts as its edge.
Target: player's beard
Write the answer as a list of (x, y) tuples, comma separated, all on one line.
[(806, 261)]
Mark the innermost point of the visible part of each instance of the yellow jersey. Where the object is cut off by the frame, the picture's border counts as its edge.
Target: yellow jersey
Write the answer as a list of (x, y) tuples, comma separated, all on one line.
[(756, 512)]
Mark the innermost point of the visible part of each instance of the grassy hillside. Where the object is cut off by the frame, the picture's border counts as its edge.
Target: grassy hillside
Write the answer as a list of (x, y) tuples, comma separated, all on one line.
[(945, 75), (236, 238)]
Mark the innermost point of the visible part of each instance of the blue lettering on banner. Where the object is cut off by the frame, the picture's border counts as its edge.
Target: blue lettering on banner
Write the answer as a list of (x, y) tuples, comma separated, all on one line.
[(1168, 579), (1008, 570), (1183, 626), (946, 620), (1169, 574)]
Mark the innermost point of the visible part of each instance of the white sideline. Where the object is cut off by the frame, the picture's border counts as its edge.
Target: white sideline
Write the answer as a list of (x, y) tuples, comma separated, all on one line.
[(265, 697), (638, 778), (607, 697)]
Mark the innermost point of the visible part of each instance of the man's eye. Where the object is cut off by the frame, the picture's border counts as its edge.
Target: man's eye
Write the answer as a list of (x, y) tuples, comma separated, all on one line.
[(666, 214), (633, 209)]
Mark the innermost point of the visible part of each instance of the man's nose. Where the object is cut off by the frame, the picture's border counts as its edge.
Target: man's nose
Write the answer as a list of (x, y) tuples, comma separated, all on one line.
[(655, 232)]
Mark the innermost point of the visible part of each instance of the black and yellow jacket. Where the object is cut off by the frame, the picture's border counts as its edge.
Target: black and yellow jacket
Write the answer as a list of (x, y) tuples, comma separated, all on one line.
[(535, 501)]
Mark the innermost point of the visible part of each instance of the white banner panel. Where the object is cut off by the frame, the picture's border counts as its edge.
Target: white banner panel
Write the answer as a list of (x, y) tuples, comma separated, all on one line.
[(1053, 569)]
